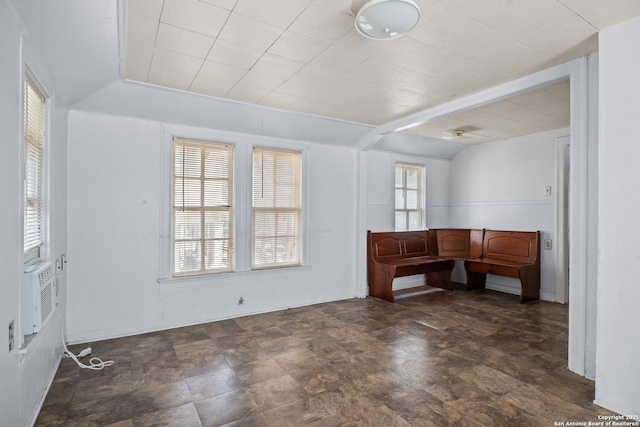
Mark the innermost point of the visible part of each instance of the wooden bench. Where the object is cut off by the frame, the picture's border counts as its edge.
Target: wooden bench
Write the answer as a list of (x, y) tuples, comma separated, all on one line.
[(403, 253), (511, 254), (456, 243)]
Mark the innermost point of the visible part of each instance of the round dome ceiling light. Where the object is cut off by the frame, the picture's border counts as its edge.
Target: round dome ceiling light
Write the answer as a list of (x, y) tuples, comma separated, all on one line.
[(387, 19)]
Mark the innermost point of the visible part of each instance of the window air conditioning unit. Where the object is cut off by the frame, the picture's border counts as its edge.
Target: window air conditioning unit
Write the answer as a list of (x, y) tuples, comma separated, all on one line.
[(38, 296)]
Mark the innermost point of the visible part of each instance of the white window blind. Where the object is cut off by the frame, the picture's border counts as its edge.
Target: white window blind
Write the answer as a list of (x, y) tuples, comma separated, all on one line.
[(409, 197), (34, 137), (277, 200), (202, 207)]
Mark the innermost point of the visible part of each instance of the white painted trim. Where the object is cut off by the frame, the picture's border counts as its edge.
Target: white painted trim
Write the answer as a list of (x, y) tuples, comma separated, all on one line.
[(593, 79), (82, 339), (361, 284), (369, 140), (546, 296), (503, 203), (164, 263), (578, 230), (614, 407), (408, 282), (122, 34), (497, 93), (561, 255), (410, 160), (204, 280), (501, 287), (242, 173)]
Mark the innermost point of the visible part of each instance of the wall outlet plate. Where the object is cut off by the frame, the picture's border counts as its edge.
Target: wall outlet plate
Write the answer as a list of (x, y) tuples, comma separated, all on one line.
[(547, 244)]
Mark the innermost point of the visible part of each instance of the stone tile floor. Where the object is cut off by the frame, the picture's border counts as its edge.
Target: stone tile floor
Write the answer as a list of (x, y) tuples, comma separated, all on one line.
[(440, 359)]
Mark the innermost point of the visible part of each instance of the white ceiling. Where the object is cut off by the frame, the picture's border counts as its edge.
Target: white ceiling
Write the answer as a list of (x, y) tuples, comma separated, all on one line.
[(77, 42), (306, 56), (532, 112), (82, 49)]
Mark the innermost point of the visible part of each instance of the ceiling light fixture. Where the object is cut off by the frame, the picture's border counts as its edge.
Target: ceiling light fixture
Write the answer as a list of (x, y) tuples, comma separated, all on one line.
[(387, 19)]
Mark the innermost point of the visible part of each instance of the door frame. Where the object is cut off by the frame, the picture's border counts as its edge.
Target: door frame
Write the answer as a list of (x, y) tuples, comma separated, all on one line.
[(562, 216)]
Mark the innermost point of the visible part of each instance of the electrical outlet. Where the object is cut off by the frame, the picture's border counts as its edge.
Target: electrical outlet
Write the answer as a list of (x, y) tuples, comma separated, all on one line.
[(547, 190), (547, 244), (12, 339)]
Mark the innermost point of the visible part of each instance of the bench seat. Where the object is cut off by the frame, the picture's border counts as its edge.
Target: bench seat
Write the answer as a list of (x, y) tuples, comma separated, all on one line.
[(511, 254), (404, 253), (434, 253), (423, 260), (490, 263)]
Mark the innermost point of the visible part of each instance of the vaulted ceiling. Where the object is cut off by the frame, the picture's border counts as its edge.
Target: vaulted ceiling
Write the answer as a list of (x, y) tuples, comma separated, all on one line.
[(306, 56)]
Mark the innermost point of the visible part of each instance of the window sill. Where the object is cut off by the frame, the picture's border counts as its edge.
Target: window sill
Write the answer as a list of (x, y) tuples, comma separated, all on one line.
[(197, 280)]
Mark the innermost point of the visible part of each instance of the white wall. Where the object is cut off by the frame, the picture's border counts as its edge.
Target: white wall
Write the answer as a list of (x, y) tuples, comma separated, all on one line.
[(438, 193), (25, 378), (114, 197), (618, 338), (500, 185), (379, 191), (10, 257), (507, 170)]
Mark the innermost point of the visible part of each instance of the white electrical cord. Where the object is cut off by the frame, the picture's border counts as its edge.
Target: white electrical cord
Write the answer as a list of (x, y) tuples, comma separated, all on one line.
[(95, 363)]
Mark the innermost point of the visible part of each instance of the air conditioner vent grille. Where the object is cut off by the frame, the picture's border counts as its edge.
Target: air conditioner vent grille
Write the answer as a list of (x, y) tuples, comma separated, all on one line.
[(46, 275), (46, 298), (38, 297)]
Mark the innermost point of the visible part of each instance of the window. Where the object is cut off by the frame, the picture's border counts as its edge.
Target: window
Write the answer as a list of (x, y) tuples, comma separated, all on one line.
[(409, 197), (34, 143), (202, 207), (276, 208)]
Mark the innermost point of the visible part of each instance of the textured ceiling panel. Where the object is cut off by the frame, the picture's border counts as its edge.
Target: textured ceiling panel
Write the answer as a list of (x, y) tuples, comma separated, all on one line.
[(305, 56)]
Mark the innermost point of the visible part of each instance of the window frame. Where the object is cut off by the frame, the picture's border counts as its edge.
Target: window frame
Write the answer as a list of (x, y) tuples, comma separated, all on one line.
[(202, 209), (40, 252), (243, 145), (422, 194), (255, 209)]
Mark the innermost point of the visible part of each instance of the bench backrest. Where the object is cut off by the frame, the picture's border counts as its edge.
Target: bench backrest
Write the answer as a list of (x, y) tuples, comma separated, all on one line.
[(521, 246), (397, 244), (457, 243)]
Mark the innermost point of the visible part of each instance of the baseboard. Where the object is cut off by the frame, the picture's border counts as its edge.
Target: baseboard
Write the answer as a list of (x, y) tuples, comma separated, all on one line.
[(73, 340), (493, 286), (544, 296), (614, 408), (407, 282)]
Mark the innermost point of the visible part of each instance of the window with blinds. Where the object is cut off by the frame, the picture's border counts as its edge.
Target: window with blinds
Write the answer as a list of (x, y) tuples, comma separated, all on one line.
[(277, 201), (409, 197), (202, 207), (34, 140)]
